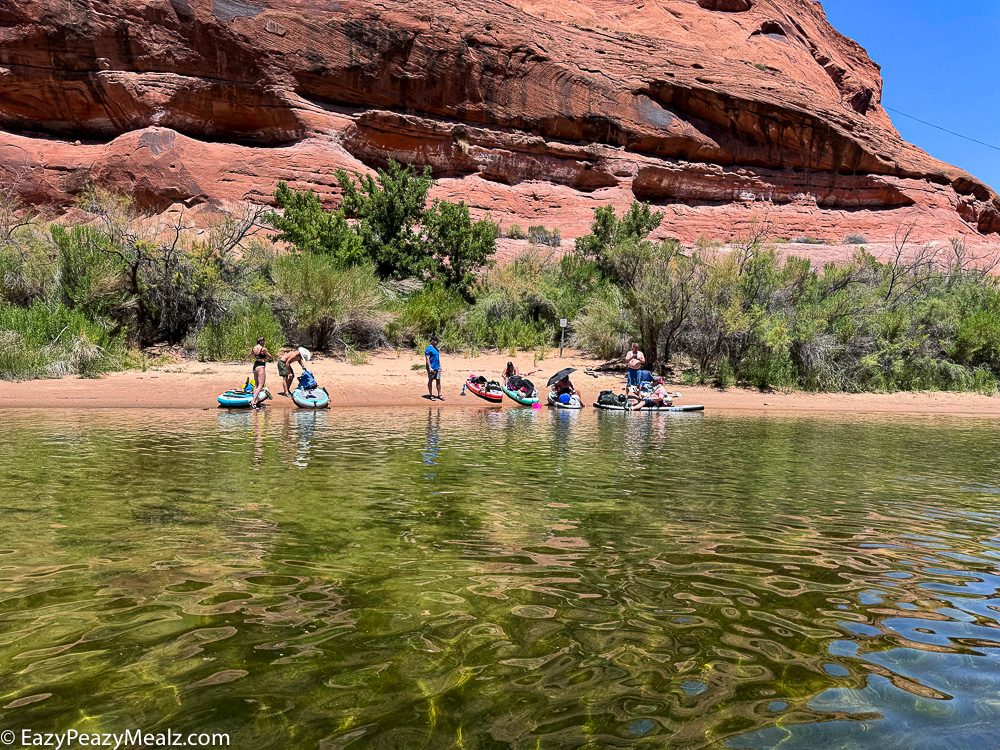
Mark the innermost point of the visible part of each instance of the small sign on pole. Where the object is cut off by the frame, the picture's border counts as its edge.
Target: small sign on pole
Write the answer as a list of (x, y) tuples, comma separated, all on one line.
[(562, 333)]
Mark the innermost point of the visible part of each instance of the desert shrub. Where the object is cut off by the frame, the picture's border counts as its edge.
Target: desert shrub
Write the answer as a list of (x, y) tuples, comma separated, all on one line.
[(156, 281), (42, 340), (656, 280), (91, 280), (806, 239), (28, 268), (540, 235), (427, 312), (231, 338), (516, 232), (605, 328), (329, 305), (855, 239)]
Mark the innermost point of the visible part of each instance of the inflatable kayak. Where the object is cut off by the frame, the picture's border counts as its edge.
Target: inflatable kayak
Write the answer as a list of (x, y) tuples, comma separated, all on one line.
[(521, 391), (311, 398), (488, 390), (687, 407), (618, 407), (235, 399), (241, 398), (573, 402)]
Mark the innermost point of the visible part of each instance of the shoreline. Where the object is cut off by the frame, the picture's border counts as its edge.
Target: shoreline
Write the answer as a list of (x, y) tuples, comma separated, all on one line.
[(388, 380)]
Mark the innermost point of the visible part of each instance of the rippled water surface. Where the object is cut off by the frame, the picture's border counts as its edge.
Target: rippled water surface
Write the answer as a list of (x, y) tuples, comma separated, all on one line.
[(514, 579)]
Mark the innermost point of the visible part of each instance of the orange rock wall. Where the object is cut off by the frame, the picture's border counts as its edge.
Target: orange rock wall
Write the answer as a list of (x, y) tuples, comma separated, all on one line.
[(537, 111)]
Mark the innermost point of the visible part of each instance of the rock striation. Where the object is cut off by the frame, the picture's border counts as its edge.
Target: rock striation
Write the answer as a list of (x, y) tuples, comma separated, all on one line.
[(534, 110)]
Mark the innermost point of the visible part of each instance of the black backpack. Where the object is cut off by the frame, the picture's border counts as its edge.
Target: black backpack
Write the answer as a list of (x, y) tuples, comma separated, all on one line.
[(610, 398), (516, 383)]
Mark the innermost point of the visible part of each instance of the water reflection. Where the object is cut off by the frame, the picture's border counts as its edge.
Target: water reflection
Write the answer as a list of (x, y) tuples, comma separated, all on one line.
[(307, 423), (432, 442), (513, 578)]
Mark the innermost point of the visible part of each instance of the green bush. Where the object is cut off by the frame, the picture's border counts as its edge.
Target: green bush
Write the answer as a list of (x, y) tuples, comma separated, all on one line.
[(605, 329), (427, 313), (28, 268), (311, 229), (394, 230), (231, 338), (855, 239), (516, 232), (330, 305), (41, 341)]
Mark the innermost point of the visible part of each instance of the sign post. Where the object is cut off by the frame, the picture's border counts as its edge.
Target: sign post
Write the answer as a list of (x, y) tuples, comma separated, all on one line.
[(562, 334)]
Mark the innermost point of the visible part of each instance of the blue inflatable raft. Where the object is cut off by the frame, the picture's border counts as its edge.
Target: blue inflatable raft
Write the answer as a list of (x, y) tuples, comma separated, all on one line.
[(238, 398), (312, 398), (309, 395)]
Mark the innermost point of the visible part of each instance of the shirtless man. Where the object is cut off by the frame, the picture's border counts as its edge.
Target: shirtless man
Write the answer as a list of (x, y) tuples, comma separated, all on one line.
[(635, 359), (285, 371)]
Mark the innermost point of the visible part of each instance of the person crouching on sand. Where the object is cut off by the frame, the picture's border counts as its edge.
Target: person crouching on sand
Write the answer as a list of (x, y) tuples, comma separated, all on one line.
[(285, 371), (509, 372), (432, 358), (260, 356)]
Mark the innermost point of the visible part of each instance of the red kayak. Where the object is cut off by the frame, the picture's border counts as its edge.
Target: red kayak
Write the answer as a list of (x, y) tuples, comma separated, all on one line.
[(489, 390)]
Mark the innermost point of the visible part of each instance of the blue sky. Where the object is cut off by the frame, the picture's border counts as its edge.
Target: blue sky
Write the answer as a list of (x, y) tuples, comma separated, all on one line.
[(940, 62)]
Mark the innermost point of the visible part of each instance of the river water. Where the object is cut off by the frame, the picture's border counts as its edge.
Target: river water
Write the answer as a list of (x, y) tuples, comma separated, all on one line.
[(502, 579)]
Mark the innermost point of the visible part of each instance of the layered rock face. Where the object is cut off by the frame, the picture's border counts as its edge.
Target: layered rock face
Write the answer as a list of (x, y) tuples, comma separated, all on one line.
[(534, 110)]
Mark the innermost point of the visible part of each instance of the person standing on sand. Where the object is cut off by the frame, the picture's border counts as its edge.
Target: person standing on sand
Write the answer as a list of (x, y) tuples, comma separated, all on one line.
[(635, 360), (432, 358), (260, 356), (285, 371)]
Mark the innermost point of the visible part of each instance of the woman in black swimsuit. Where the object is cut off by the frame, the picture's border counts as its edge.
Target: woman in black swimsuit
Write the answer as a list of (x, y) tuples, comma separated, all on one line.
[(260, 357)]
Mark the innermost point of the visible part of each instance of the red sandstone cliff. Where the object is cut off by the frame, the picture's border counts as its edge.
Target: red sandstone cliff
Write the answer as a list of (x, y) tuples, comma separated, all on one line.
[(533, 109)]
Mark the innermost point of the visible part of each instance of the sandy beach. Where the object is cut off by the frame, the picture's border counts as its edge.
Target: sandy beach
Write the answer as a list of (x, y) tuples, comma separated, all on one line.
[(389, 379)]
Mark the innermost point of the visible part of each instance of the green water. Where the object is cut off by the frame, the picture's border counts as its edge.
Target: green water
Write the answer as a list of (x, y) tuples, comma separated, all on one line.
[(515, 579)]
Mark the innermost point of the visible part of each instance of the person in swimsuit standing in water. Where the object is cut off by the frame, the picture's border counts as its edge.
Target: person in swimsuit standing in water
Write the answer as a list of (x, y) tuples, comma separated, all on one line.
[(260, 357)]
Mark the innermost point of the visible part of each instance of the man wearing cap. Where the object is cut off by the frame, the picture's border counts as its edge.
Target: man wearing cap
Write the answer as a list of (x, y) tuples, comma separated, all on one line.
[(660, 396), (285, 367), (432, 358)]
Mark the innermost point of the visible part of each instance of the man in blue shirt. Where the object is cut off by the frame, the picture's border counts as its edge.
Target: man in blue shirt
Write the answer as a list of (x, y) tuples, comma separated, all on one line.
[(433, 359)]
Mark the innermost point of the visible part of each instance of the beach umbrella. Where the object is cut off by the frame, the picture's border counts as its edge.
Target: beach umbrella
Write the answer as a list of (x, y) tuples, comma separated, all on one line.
[(560, 375)]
